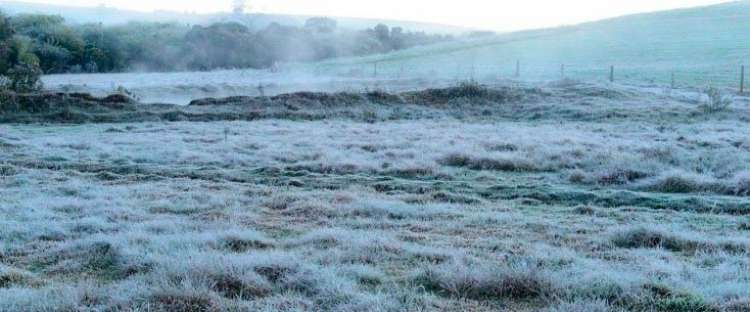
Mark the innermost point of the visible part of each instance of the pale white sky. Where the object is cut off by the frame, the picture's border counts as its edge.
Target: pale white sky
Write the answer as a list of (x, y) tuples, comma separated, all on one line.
[(487, 14)]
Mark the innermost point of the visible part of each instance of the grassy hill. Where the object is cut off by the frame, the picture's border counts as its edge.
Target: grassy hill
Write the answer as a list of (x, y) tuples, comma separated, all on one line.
[(700, 45)]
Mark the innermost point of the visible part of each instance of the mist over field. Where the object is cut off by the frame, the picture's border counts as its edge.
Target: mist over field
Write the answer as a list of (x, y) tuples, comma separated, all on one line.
[(256, 162)]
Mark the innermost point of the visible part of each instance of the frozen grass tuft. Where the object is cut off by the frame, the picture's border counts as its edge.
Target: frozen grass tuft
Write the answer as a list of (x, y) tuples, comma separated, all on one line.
[(11, 277), (741, 184), (517, 280), (182, 300), (716, 101), (243, 241), (365, 274), (682, 182), (581, 306), (98, 258), (649, 237), (7, 170), (485, 163)]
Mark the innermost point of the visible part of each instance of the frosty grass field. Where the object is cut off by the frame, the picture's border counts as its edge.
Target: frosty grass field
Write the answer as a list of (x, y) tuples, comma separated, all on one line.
[(591, 197)]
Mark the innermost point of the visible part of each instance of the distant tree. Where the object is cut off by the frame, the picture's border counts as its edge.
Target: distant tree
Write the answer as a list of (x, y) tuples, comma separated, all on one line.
[(321, 25), (397, 38), (19, 68), (23, 73), (239, 6), (6, 36), (382, 32), (223, 45), (57, 45), (104, 50)]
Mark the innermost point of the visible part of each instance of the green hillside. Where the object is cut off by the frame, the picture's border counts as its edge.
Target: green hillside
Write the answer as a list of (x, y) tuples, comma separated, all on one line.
[(700, 45)]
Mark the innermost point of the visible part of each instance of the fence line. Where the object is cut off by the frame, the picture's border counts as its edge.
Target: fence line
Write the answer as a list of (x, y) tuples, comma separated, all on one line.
[(723, 76)]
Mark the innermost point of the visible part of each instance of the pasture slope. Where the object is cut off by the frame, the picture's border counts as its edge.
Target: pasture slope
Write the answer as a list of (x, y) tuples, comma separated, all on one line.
[(704, 45)]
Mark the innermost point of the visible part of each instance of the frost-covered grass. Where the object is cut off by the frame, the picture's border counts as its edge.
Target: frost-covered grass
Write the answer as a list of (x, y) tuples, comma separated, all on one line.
[(648, 214)]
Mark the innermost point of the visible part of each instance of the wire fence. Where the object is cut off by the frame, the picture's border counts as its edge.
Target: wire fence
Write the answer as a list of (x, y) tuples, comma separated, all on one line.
[(727, 76)]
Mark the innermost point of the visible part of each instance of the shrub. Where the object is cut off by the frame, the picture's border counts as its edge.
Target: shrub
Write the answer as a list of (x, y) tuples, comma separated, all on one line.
[(20, 70), (716, 101), (24, 78), (470, 89)]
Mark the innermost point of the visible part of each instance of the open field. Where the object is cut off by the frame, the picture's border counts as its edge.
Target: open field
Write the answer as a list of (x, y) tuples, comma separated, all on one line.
[(701, 46), (552, 197)]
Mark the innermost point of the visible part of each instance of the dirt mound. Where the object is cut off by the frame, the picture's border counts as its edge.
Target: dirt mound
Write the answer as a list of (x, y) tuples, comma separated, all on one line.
[(467, 100), (468, 93), (60, 106), (309, 100), (463, 94)]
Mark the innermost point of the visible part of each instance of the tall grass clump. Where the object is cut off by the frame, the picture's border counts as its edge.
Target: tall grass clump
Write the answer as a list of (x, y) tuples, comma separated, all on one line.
[(649, 237), (515, 281), (716, 101)]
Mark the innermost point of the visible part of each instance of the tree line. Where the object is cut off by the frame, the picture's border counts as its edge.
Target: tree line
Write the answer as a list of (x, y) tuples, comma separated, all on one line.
[(51, 45)]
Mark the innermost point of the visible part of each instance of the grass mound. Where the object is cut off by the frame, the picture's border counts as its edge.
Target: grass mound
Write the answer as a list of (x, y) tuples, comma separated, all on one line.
[(515, 281), (11, 277), (484, 163), (182, 301), (644, 237), (466, 93), (98, 258)]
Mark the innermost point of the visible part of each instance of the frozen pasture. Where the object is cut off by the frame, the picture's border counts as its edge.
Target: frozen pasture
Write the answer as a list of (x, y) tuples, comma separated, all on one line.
[(637, 206)]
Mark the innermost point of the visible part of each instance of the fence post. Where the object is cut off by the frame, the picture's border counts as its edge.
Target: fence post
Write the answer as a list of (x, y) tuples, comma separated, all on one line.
[(375, 70), (518, 68), (612, 73), (562, 71), (742, 79)]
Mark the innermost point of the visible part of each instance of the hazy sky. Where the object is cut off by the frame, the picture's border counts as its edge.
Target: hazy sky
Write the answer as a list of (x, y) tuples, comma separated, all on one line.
[(488, 14)]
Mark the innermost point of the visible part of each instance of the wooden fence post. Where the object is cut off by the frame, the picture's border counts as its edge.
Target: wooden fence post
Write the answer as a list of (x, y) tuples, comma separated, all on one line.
[(612, 73), (742, 79), (375, 70), (562, 71), (518, 68)]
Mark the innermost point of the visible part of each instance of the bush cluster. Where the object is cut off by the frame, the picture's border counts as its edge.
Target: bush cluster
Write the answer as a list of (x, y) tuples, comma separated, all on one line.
[(60, 47)]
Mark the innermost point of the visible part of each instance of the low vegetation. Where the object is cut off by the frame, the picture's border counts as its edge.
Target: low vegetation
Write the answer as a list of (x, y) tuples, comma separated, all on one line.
[(60, 47), (580, 197), (19, 67), (716, 101)]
